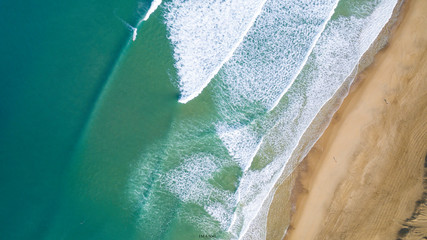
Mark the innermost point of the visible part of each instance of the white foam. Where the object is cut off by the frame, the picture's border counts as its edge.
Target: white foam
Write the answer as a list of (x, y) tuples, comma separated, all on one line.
[(205, 34), (241, 142), (334, 57), (135, 32), (266, 63), (376, 21), (190, 182), (154, 5), (261, 69)]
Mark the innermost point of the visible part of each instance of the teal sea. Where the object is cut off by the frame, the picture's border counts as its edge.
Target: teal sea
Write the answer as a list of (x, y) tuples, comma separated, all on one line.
[(172, 119)]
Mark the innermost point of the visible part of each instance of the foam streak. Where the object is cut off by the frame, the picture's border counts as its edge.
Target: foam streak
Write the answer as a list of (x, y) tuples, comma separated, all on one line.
[(205, 36)]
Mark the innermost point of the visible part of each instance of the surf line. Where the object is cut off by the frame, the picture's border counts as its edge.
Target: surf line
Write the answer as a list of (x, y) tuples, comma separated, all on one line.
[(305, 60), (154, 5), (134, 30), (271, 187), (230, 54)]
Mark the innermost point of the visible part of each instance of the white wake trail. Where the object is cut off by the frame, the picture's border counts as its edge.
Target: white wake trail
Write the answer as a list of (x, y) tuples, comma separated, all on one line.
[(154, 5)]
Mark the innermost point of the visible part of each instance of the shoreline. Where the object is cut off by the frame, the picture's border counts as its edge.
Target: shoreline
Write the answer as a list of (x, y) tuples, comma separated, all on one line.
[(324, 172), (281, 206)]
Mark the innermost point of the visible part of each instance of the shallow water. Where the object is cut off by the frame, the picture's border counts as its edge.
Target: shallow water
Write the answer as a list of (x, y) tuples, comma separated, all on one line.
[(95, 143)]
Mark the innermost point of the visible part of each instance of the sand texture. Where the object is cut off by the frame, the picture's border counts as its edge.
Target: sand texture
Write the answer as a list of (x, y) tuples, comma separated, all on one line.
[(363, 179)]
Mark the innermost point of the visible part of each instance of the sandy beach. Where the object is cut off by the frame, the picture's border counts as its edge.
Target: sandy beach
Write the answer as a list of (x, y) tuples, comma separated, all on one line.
[(363, 179)]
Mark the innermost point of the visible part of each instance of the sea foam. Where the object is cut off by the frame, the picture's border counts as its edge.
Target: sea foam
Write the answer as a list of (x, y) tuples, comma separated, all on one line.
[(272, 53), (266, 63), (262, 68), (154, 5), (241, 142), (332, 61), (204, 35), (253, 131), (190, 182)]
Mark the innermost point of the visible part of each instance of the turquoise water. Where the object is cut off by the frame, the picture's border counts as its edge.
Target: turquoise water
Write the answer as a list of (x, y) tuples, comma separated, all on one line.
[(95, 144)]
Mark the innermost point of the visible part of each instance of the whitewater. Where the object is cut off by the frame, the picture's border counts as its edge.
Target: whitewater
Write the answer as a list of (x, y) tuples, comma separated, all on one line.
[(205, 35), (153, 6), (267, 69)]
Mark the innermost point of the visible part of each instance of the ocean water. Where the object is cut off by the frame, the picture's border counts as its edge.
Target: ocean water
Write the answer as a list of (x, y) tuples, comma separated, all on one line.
[(165, 119)]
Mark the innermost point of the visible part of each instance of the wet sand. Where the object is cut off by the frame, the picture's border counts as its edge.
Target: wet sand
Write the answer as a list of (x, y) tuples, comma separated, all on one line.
[(363, 179)]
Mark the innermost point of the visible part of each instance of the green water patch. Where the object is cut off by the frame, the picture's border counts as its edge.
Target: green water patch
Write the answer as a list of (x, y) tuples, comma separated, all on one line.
[(136, 107), (55, 56), (354, 8), (227, 179)]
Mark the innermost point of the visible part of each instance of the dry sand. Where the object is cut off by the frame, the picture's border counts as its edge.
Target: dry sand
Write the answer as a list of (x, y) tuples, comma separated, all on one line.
[(363, 178)]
